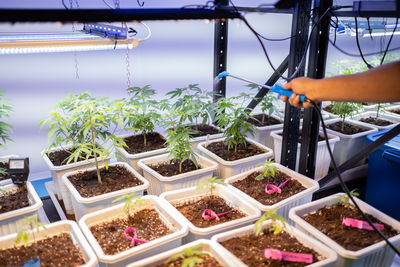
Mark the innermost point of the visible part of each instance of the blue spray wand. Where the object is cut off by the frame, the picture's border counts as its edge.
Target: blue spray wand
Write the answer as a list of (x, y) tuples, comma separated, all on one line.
[(276, 88)]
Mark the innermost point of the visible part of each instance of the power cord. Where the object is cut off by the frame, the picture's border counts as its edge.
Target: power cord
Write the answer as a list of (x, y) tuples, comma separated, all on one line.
[(344, 186), (359, 48)]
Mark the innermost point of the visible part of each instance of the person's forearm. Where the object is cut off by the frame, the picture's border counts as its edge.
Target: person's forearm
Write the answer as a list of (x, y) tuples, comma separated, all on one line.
[(381, 84)]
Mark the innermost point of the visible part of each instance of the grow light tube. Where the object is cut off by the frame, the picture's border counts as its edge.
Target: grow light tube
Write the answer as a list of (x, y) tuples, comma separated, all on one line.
[(47, 42)]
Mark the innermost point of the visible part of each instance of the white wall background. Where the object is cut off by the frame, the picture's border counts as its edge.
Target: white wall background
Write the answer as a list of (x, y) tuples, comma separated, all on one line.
[(177, 54)]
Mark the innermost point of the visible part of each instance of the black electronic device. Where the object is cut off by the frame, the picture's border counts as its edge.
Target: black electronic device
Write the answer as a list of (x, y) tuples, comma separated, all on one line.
[(18, 170)]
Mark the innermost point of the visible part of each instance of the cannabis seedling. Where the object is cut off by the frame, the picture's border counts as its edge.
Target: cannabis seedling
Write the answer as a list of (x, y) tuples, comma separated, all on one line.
[(189, 256), (142, 115), (268, 103), (268, 171), (210, 184), (346, 109), (232, 114), (277, 225), (344, 198), (34, 224), (131, 202), (5, 128)]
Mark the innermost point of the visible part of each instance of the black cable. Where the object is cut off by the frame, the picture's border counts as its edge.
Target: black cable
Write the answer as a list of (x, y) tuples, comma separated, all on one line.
[(344, 186), (63, 3), (369, 29), (390, 40), (359, 48), (358, 55), (140, 4)]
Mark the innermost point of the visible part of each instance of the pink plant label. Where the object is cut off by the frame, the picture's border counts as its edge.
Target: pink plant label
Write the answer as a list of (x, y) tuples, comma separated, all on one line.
[(133, 238), (210, 214), (360, 224), (270, 188), (276, 254)]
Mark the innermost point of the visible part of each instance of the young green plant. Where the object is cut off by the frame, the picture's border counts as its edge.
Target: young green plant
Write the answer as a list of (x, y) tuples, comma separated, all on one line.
[(34, 224), (268, 171), (131, 202), (142, 114), (277, 225), (268, 103), (190, 256), (344, 198), (5, 128), (233, 115), (210, 185), (346, 109)]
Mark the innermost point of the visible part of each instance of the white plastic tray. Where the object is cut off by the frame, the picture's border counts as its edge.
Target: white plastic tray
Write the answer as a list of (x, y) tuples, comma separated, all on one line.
[(375, 255), (168, 215)]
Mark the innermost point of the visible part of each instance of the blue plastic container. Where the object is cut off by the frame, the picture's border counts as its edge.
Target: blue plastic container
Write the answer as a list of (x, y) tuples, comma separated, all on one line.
[(383, 183)]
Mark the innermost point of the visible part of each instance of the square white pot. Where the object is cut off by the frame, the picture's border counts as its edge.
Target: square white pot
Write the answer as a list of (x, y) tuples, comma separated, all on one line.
[(58, 171), (349, 145), (323, 159), (5, 159), (160, 183), (232, 199), (132, 159), (69, 227), (168, 215), (10, 221), (207, 246), (282, 206), (378, 254), (262, 134), (329, 255), (83, 205), (229, 168), (388, 110), (384, 116)]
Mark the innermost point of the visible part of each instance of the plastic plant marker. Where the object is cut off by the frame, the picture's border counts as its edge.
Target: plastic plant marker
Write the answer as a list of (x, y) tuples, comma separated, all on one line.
[(32, 263), (276, 254), (210, 214), (270, 188), (360, 224), (133, 239)]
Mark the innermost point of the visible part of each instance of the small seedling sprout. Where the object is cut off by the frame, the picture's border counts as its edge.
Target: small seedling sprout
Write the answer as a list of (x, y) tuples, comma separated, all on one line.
[(277, 225), (131, 202), (268, 171), (268, 103), (210, 184), (34, 224), (189, 256), (344, 198)]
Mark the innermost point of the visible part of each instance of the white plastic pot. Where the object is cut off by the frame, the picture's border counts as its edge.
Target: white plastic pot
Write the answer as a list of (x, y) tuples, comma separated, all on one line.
[(10, 221), (58, 171), (160, 183), (329, 255), (132, 159), (388, 110), (5, 159), (262, 134), (207, 246), (168, 215), (323, 159), (282, 206), (197, 140), (378, 254), (232, 199), (349, 145), (83, 205), (384, 116), (52, 229), (229, 168)]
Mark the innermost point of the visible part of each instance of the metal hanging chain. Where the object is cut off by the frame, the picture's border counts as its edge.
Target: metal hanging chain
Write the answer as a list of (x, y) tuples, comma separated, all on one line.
[(116, 3), (128, 68)]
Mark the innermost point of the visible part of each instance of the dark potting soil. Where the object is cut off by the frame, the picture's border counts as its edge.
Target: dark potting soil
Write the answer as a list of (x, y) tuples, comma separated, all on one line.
[(203, 130), (250, 248), (395, 110), (136, 145), (113, 179), (193, 210), (329, 109), (256, 188), (376, 121), (14, 200), (57, 250), (171, 167), (59, 157), (328, 220), (4, 165), (111, 238), (259, 121), (208, 261), (348, 128), (320, 137), (243, 151)]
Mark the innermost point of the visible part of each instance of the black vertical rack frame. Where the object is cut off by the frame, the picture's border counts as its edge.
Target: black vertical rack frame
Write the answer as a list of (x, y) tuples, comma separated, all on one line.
[(222, 13)]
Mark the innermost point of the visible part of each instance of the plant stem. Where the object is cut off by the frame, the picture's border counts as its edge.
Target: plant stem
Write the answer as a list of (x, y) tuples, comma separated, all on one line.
[(263, 119), (180, 166), (144, 138), (342, 128), (95, 156)]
